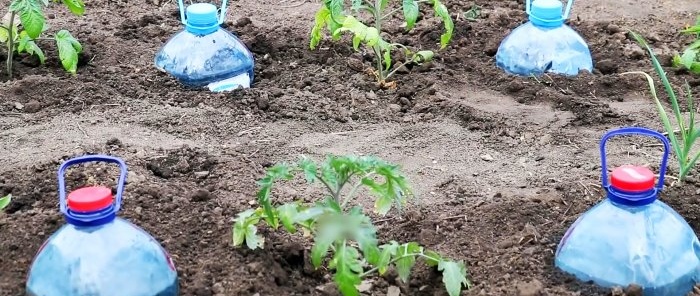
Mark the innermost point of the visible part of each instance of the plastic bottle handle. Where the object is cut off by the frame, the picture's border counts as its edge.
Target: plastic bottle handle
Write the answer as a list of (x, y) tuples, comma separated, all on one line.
[(90, 158), (222, 13), (567, 10), (634, 131)]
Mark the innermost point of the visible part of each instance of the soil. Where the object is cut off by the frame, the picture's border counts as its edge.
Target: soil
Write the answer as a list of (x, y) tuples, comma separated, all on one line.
[(503, 164)]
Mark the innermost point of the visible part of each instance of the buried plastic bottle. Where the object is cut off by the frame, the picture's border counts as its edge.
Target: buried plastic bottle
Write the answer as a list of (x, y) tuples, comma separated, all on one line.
[(545, 44), (204, 54), (631, 237), (97, 253)]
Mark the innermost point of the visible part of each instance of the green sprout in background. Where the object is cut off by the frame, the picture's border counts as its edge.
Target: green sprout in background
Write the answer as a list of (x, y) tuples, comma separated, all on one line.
[(687, 129), (28, 15), (690, 59), (341, 230), (334, 15)]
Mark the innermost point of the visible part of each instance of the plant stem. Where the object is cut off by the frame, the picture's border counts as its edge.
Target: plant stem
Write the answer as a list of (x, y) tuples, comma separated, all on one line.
[(374, 269), (377, 49), (396, 68), (10, 44), (354, 190)]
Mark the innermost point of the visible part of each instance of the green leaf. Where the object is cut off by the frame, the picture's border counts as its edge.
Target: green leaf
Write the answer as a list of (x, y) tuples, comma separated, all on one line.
[(434, 258), (327, 232), (77, 7), (309, 168), (287, 214), (31, 16), (4, 201), (277, 172), (388, 251), (347, 269), (688, 58), (410, 13), (407, 259), (28, 45), (454, 275), (365, 234), (68, 49), (423, 56), (244, 230), (441, 11), (319, 21)]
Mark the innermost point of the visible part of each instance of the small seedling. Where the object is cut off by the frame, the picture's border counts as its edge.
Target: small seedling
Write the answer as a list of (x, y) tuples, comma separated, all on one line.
[(4, 201), (687, 129), (341, 230), (690, 59), (29, 15), (334, 15)]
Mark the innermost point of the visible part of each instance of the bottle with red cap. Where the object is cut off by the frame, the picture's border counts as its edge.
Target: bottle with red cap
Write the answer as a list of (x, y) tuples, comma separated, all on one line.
[(631, 237), (97, 253)]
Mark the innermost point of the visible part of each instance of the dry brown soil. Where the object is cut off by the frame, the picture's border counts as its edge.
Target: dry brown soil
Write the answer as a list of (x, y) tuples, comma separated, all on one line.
[(194, 156)]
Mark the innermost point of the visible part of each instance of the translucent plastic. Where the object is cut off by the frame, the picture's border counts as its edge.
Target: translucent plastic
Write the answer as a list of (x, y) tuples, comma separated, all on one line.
[(218, 60), (651, 246), (113, 259), (535, 50)]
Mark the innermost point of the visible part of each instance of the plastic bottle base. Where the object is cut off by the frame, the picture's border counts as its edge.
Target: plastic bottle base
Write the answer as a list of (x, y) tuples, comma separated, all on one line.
[(242, 80)]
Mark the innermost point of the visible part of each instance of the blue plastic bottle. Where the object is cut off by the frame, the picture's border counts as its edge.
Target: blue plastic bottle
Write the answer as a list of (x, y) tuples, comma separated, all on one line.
[(204, 54), (631, 237), (544, 44), (97, 253)]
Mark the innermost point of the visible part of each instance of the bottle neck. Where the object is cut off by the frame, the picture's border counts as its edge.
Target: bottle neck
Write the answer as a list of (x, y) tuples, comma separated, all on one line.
[(631, 199), (202, 30), (93, 218)]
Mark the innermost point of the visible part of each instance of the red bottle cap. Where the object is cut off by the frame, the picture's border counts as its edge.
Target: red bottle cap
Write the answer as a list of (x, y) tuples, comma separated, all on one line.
[(90, 199), (632, 178)]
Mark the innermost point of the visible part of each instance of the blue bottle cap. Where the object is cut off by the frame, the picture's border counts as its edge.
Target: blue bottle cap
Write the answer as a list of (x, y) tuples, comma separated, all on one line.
[(546, 13), (202, 18)]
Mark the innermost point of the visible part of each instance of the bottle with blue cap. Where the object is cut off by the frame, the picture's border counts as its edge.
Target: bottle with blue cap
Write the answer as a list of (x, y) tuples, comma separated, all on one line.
[(204, 54), (544, 44), (97, 253), (631, 237)]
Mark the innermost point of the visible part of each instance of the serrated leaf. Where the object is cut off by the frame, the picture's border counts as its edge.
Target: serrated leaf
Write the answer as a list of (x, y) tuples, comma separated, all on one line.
[(410, 13), (454, 276), (68, 49), (365, 234), (383, 204), (407, 259), (31, 16), (327, 233), (309, 168), (77, 7), (319, 21), (347, 269), (388, 251), (4, 201), (287, 214), (277, 172)]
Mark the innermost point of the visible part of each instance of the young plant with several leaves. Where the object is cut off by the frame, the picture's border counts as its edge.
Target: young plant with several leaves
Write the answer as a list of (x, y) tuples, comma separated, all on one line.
[(335, 15), (341, 230), (4, 201), (23, 26), (687, 129), (690, 59)]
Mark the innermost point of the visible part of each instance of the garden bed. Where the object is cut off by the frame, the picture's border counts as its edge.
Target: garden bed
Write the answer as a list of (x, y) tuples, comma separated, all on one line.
[(503, 164)]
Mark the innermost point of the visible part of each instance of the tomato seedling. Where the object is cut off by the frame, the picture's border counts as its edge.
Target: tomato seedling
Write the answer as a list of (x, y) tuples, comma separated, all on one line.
[(341, 230), (29, 15), (688, 131), (690, 59), (334, 15)]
